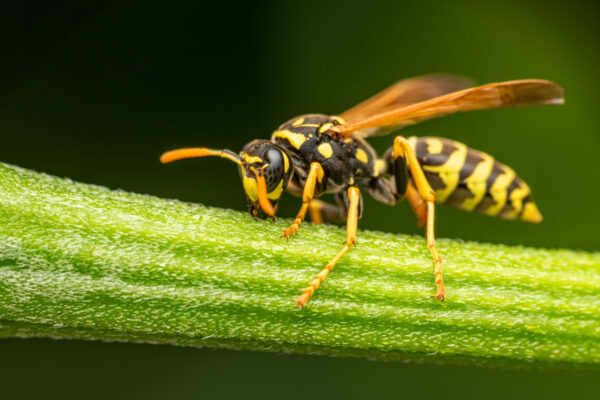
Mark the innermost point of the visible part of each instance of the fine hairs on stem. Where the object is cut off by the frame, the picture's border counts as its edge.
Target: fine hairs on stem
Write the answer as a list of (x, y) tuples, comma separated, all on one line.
[(81, 261)]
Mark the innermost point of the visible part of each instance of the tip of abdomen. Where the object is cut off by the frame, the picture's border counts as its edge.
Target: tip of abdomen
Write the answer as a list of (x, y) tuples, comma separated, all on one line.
[(531, 213)]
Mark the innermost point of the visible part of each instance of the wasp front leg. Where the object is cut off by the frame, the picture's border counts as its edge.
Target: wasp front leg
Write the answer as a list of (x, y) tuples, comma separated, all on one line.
[(315, 175), (404, 156), (351, 226)]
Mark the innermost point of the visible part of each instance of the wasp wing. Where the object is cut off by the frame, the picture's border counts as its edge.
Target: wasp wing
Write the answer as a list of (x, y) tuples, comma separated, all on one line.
[(493, 95), (406, 92)]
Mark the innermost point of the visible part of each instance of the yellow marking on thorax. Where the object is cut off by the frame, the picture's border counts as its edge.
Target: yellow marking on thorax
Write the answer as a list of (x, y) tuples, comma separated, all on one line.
[(379, 167), (297, 122), (325, 127), (250, 188), (449, 172), (498, 190), (361, 156), (434, 146), (295, 139), (286, 162), (276, 193), (476, 182), (252, 159), (325, 149), (337, 119)]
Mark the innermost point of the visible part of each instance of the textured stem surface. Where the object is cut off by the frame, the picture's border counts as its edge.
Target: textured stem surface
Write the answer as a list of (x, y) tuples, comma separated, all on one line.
[(80, 261)]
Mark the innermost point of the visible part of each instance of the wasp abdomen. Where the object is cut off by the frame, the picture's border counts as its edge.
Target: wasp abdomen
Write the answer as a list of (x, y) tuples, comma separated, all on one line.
[(472, 180)]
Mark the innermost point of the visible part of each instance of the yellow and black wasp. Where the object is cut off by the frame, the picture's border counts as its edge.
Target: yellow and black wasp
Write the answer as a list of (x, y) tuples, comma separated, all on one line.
[(314, 154)]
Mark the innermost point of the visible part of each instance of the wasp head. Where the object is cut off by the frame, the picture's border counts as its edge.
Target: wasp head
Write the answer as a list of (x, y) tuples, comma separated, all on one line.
[(265, 171)]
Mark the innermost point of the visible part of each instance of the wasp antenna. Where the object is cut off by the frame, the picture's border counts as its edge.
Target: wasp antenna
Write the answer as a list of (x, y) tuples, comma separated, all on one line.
[(193, 152)]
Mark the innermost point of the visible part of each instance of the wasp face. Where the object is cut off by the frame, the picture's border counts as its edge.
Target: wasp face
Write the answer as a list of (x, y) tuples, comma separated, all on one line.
[(265, 171)]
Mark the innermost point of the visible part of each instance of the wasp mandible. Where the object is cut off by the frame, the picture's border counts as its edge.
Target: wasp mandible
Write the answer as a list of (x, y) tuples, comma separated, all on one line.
[(315, 154)]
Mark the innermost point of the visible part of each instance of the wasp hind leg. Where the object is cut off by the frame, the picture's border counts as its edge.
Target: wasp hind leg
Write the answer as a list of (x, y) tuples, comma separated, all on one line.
[(405, 156), (417, 204), (315, 174), (352, 223)]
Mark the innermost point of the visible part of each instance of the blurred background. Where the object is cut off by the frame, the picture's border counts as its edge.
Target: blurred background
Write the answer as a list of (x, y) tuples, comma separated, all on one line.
[(96, 91)]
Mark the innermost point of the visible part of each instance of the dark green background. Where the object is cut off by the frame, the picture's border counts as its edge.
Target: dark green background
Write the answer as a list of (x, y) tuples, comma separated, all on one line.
[(96, 91)]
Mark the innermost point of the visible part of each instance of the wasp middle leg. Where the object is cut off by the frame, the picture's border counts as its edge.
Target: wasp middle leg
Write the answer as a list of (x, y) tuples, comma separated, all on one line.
[(404, 156), (352, 223)]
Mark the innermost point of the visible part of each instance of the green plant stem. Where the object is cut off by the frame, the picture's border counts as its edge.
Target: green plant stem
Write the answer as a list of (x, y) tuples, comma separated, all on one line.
[(81, 261)]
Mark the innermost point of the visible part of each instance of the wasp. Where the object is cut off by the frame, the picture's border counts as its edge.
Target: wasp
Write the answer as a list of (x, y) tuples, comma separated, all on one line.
[(315, 154)]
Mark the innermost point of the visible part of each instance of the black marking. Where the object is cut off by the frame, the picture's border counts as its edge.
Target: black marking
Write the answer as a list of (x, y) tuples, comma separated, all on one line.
[(514, 184), (506, 210), (486, 202), (426, 158), (304, 130), (458, 195), (401, 175), (497, 170), (471, 162), (434, 180)]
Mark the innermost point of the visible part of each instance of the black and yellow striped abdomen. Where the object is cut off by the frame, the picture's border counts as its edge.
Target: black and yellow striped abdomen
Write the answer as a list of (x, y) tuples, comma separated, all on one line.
[(472, 180)]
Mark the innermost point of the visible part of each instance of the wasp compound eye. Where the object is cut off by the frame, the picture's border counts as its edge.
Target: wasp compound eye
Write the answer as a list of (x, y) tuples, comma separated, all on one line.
[(274, 169)]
